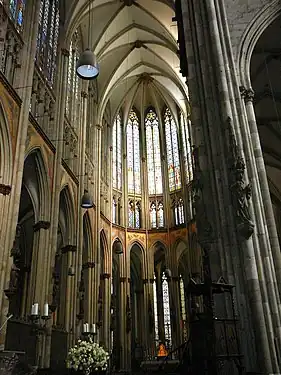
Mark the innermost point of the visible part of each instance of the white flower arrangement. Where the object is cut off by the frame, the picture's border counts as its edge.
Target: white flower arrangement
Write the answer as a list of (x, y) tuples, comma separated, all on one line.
[(87, 356)]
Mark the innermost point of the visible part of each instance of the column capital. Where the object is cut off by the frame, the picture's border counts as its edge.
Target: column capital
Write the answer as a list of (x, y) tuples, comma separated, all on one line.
[(105, 276), (98, 126), (247, 94), (41, 225), (5, 189), (84, 94), (88, 265), (123, 279), (145, 281), (65, 52), (68, 248)]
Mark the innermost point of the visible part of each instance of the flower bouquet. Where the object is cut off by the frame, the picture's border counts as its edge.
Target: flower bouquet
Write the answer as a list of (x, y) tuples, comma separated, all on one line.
[(87, 357)]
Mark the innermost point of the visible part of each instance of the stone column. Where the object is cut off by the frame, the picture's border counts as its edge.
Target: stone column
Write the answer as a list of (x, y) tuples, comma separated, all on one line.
[(210, 88), (106, 309), (97, 227), (29, 51)]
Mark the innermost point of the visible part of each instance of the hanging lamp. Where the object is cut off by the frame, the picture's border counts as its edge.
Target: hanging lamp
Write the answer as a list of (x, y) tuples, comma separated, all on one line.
[(87, 67), (87, 201)]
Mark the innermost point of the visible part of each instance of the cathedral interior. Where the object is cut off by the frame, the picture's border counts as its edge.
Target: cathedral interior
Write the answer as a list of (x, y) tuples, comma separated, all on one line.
[(140, 174)]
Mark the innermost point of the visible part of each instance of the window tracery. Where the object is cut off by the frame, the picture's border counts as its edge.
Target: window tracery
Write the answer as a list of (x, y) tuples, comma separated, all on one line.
[(156, 214), (187, 151), (16, 10), (134, 217), (183, 309), (133, 154), (179, 211), (166, 310), (172, 145), (117, 153), (114, 210), (155, 185), (47, 39), (73, 83), (156, 328)]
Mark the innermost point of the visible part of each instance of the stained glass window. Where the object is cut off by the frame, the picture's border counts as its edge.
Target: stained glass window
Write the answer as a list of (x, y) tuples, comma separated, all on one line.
[(153, 216), (183, 309), (114, 210), (160, 214), (133, 154), (179, 212), (166, 309), (16, 8), (47, 40), (156, 328), (153, 153), (173, 159), (134, 214), (117, 153), (156, 214), (187, 151), (73, 82)]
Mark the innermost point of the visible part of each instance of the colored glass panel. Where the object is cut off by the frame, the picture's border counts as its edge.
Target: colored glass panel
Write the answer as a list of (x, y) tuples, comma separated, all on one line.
[(172, 145), (133, 154), (166, 310), (153, 153), (187, 150)]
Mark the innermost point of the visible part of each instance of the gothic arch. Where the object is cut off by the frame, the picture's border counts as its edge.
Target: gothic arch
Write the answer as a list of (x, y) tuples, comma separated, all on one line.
[(6, 159), (43, 182), (87, 237), (67, 215), (36, 182), (251, 37), (137, 259), (104, 246)]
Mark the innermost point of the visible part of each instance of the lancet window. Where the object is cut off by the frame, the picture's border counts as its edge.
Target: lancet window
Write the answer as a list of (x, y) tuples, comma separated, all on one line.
[(73, 83), (134, 210), (179, 211), (117, 153), (133, 154), (47, 40), (156, 214), (187, 151), (16, 10), (183, 310), (166, 310), (173, 158), (156, 328), (155, 185)]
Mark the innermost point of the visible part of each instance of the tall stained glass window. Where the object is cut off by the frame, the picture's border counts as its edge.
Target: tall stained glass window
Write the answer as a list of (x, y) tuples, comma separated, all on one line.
[(187, 151), (156, 214), (156, 328), (133, 154), (183, 309), (16, 8), (47, 40), (166, 309), (73, 83), (172, 145), (117, 153), (153, 153), (179, 212), (134, 209)]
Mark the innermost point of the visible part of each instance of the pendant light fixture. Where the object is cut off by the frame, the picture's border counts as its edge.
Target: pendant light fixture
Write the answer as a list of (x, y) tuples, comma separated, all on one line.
[(87, 67), (87, 201)]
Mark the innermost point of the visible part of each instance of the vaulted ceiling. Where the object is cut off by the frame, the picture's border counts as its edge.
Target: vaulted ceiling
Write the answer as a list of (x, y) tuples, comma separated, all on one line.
[(266, 82), (136, 45)]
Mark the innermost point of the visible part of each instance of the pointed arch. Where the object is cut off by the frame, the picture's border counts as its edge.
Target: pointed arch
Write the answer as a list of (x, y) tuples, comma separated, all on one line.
[(87, 238), (250, 38), (6, 157), (67, 215), (43, 180), (104, 246)]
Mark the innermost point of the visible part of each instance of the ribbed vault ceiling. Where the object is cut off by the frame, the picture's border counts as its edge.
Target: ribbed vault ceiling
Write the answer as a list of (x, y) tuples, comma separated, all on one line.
[(136, 46)]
